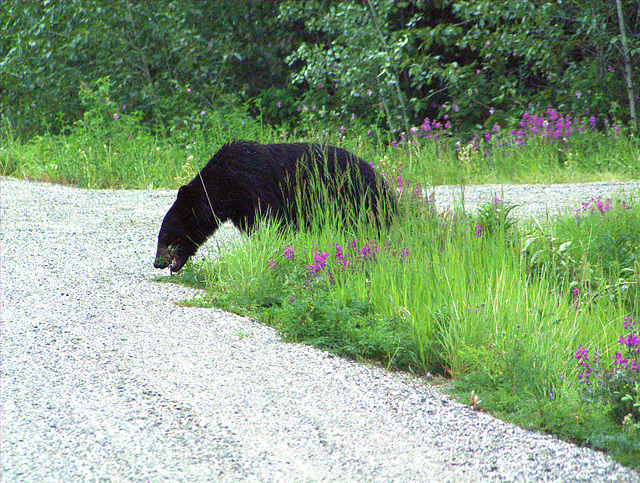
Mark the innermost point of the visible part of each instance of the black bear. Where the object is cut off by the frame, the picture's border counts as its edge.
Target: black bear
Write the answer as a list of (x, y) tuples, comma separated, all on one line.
[(245, 180)]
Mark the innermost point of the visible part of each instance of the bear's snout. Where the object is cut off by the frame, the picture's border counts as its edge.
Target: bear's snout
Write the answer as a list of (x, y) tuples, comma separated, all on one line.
[(177, 263), (163, 258), (160, 263), (168, 257)]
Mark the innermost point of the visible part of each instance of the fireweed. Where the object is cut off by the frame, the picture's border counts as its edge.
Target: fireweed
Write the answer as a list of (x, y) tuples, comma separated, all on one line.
[(615, 385), (596, 205), (549, 127), (350, 258), (559, 141), (315, 301)]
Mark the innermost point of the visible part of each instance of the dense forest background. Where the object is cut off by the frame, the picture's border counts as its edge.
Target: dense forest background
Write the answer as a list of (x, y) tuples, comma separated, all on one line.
[(388, 64)]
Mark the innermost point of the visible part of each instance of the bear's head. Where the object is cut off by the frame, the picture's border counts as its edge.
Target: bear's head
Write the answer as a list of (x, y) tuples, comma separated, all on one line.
[(186, 226)]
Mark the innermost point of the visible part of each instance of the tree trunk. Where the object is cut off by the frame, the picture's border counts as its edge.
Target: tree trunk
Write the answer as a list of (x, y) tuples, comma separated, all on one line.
[(392, 71), (627, 68)]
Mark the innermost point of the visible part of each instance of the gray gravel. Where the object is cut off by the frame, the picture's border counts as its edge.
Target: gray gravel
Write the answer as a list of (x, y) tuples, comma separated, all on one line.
[(539, 201), (104, 378)]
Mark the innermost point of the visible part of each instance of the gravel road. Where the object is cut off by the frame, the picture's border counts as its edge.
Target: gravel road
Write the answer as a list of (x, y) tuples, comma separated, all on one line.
[(104, 378)]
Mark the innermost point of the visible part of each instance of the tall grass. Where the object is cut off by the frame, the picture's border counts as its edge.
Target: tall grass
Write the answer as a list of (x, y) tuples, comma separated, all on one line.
[(100, 156), (462, 296)]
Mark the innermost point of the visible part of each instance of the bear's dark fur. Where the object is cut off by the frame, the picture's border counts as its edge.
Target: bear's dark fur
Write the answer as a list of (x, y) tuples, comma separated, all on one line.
[(246, 180)]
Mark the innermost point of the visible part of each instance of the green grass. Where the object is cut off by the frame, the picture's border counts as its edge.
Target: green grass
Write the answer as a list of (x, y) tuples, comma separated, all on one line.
[(110, 149), (119, 154)]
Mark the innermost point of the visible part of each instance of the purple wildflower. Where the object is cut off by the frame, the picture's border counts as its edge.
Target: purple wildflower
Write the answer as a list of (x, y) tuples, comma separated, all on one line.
[(288, 252), (319, 262), (628, 323)]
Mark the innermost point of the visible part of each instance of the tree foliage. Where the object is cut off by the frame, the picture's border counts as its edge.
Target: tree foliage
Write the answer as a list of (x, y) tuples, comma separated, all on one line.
[(475, 61), (166, 59), (388, 63)]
